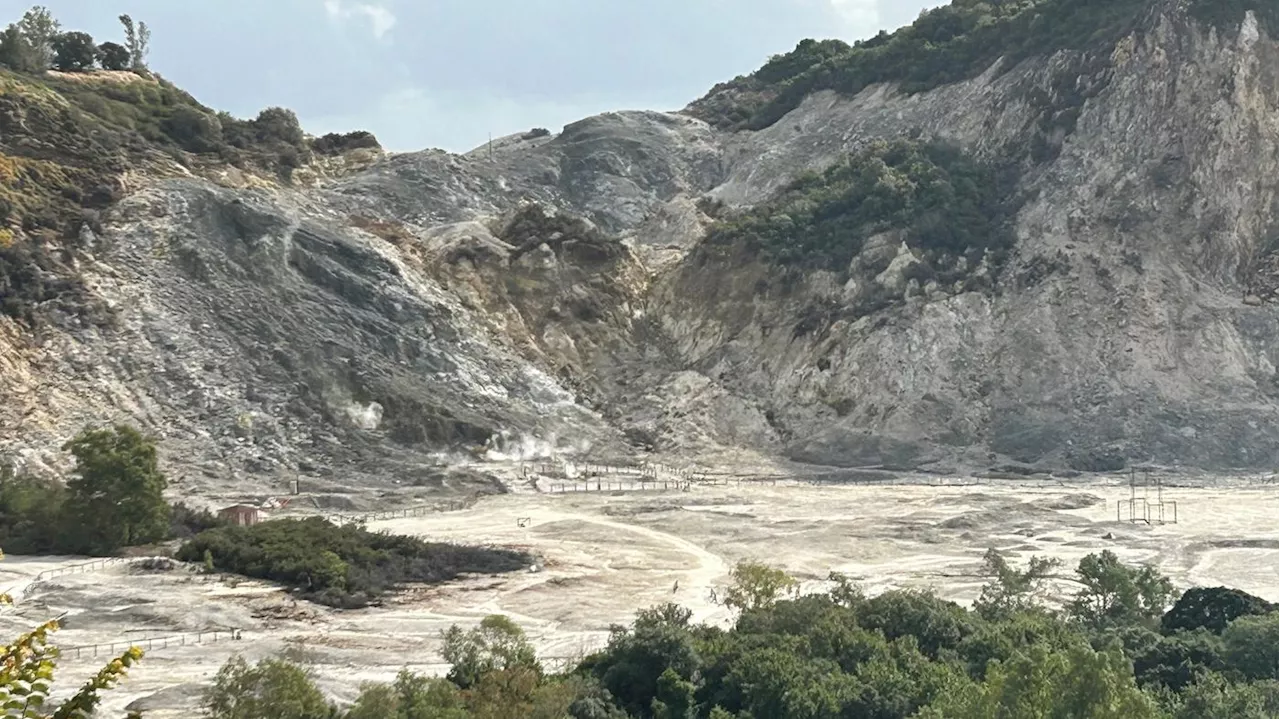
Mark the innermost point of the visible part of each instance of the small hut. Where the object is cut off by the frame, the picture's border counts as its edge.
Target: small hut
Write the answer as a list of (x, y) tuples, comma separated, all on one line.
[(241, 514)]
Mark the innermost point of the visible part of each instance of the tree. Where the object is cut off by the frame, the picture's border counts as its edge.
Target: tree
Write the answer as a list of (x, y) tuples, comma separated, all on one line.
[(278, 124), (757, 586), (1116, 594), (113, 56), (271, 689), (15, 52), (1252, 646), (1213, 697), (1010, 590), (117, 497), (39, 29), (497, 644), (674, 699), (1078, 683), (136, 38), (27, 668), (519, 692), (30, 513), (410, 697), (74, 51), (629, 667), (1213, 608)]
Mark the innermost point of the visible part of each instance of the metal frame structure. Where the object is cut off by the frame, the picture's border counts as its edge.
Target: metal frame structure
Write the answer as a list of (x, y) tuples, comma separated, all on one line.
[(1142, 508)]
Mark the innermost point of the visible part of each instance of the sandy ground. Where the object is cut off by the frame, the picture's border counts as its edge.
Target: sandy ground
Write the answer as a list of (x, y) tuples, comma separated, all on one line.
[(606, 555)]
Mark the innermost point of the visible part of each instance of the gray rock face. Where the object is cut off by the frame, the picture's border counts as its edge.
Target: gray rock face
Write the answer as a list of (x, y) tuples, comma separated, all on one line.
[(368, 327)]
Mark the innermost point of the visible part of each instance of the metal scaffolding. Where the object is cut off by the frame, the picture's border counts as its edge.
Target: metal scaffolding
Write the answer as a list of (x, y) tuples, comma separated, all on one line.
[(1140, 507)]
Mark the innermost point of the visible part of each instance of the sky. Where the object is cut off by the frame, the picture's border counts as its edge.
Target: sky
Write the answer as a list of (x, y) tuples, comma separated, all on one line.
[(448, 73)]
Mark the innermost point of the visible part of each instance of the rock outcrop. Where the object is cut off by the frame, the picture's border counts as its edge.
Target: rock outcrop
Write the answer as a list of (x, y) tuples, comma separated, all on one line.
[(558, 294)]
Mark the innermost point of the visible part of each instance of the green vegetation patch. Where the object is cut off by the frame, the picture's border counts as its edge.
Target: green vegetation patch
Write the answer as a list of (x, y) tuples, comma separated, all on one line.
[(345, 566), (948, 204), (67, 136), (944, 45)]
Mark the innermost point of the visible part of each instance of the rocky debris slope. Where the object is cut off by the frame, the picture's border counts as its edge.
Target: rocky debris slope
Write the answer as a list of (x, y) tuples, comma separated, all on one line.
[(1076, 274)]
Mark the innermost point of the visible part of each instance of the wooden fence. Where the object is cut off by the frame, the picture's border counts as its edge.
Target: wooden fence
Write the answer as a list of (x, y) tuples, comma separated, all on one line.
[(599, 485), (587, 469), (83, 567), (112, 649), (420, 511)]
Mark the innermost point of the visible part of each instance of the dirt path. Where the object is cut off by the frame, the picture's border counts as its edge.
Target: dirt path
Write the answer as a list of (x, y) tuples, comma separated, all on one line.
[(694, 589)]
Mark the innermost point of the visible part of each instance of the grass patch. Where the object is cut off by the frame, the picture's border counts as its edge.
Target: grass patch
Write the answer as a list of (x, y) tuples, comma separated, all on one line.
[(346, 566)]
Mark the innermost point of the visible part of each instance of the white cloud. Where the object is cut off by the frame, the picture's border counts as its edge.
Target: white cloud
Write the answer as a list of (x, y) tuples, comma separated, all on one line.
[(857, 15), (380, 19)]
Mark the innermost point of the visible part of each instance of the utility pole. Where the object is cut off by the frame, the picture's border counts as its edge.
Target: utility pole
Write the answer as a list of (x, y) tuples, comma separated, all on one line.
[(491, 147)]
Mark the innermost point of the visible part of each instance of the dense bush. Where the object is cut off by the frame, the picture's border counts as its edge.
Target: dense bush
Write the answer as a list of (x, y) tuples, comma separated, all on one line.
[(340, 566), (74, 52), (947, 203), (113, 56), (335, 143)]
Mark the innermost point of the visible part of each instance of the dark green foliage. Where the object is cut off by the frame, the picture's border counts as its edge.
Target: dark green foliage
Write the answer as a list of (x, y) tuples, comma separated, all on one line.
[(1212, 608), (30, 276), (271, 689), (947, 204), (629, 668), (137, 37), (410, 697), (116, 498), (944, 45), (1251, 645), (1173, 661), (74, 52), (277, 124), (824, 657), (1117, 594), (193, 129), (30, 513), (936, 624), (1216, 697), (185, 522), (15, 52), (497, 645), (118, 483), (113, 56), (335, 143), (340, 566)]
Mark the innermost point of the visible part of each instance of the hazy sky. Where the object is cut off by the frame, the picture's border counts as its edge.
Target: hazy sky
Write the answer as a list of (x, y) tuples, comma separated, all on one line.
[(446, 73)]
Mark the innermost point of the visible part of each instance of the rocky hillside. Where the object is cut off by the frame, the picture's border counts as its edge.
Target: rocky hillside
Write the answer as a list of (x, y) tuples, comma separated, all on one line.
[(1036, 233)]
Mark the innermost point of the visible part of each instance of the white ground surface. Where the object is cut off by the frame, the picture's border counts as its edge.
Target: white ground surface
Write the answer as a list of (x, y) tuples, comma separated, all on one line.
[(607, 555)]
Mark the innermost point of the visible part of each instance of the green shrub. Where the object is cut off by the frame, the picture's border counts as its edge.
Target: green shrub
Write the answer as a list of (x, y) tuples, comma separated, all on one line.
[(335, 143), (948, 204), (340, 566)]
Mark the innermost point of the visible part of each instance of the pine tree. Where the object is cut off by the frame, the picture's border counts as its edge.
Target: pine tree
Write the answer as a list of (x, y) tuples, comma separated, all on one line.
[(137, 37)]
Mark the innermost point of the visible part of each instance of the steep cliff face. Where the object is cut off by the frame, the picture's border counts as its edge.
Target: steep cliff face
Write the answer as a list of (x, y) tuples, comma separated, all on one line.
[(1065, 259), (1123, 325)]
